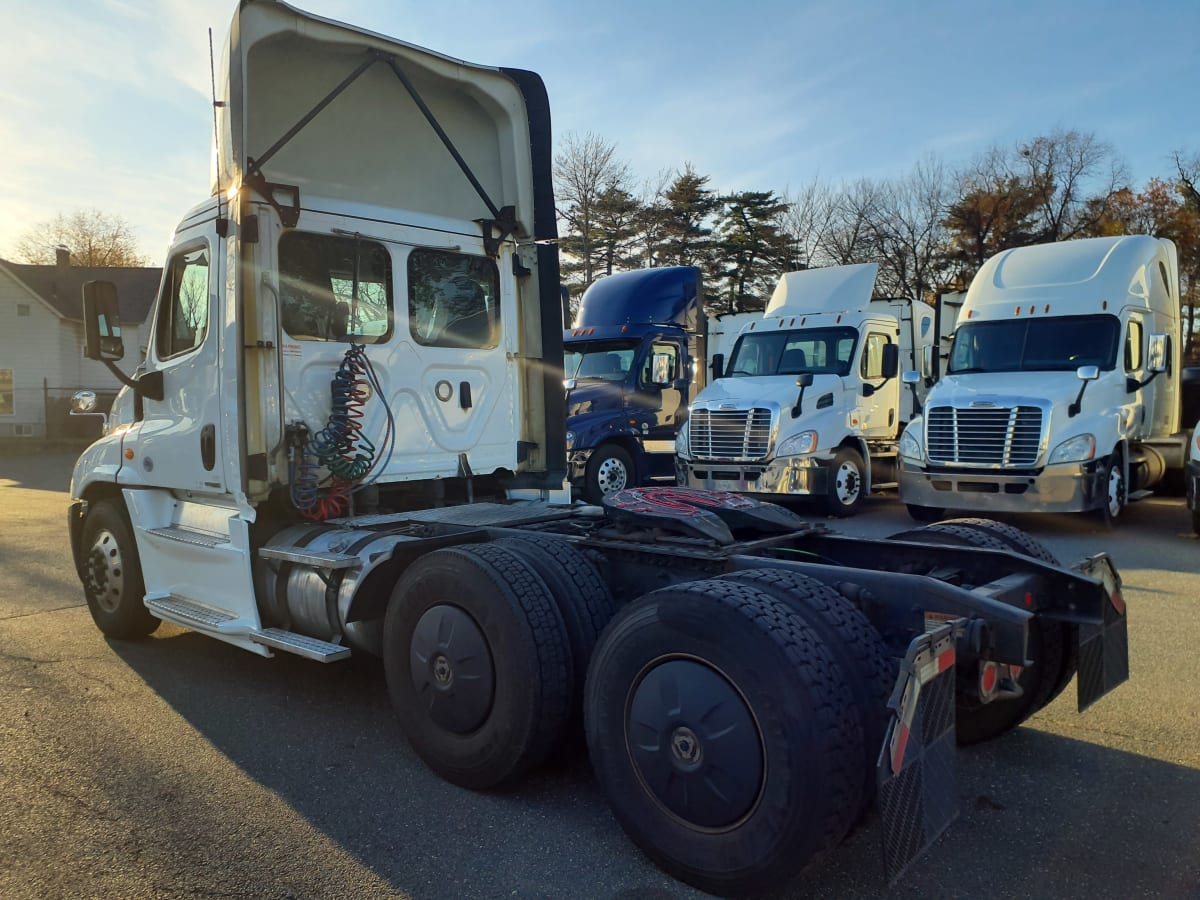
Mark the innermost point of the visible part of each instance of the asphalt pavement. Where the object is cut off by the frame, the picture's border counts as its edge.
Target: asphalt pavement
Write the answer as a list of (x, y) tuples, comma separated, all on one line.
[(183, 767)]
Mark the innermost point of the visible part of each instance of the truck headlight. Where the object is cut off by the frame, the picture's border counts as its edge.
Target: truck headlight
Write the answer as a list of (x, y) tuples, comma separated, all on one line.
[(681, 441), (570, 440), (798, 444), (1076, 449), (910, 448)]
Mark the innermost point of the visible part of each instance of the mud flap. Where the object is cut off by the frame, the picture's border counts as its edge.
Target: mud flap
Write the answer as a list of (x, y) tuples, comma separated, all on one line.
[(918, 791), (1103, 647)]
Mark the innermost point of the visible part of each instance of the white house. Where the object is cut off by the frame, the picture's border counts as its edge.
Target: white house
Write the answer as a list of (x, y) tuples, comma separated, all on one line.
[(41, 340)]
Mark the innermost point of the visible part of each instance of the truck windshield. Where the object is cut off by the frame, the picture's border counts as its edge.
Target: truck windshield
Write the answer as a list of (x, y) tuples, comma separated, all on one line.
[(1059, 344), (816, 350), (599, 360)]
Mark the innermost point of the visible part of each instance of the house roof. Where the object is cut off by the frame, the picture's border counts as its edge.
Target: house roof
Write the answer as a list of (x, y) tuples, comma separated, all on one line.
[(61, 287)]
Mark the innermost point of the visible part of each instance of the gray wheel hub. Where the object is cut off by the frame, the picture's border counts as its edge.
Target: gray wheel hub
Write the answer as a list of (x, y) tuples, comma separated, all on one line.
[(1115, 488), (611, 476), (105, 571), (847, 483)]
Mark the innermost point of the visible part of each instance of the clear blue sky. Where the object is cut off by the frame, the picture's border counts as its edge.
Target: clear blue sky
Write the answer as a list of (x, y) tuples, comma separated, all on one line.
[(106, 102)]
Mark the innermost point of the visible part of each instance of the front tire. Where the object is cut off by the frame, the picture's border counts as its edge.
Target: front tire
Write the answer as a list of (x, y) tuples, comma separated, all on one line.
[(609, 470), (847, 483), (724, 734), (112, 574)]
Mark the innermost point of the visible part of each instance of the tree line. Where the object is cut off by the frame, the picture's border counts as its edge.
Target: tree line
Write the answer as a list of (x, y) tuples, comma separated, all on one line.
[(930, 230)]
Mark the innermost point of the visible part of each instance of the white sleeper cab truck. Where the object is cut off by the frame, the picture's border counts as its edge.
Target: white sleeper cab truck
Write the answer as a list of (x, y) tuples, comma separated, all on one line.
[(810, 404), (1061, 393), (348, 438)]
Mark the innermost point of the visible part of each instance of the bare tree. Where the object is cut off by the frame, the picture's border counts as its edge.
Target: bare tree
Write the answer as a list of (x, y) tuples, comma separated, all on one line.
[(850, 236), (911, 236), (585, 170), (1072, 175), (93, 237), (806, 220)]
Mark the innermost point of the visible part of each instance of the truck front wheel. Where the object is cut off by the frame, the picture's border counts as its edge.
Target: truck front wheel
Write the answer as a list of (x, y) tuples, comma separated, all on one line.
[(847, 483), (724, 734), (478, 664), (1110, 478), (609, 470), (112, 574)]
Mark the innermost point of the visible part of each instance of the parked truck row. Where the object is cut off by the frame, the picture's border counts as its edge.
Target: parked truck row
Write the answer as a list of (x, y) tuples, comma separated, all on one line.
[(347, 437)]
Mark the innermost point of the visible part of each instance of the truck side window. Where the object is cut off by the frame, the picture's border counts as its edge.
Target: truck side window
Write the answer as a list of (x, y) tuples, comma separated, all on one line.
[(183, 311), (872, 358), (1133, 347), (316, 288), (453, 299)]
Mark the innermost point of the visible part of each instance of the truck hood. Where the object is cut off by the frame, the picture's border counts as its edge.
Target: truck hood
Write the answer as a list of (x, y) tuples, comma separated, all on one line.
[(595, 397), (781, 389), (1003, 388)]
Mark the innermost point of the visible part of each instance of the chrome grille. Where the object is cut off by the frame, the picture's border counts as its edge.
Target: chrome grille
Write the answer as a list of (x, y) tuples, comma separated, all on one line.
[(1002, 436), (732, 434)]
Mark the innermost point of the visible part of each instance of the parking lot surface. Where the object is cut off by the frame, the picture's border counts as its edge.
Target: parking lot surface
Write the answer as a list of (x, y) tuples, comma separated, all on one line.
[(180, 766)]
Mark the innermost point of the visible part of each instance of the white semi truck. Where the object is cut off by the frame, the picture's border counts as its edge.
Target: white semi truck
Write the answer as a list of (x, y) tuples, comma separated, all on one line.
[(347, 435), (1193, 479), (1062, 390), (810, 404)]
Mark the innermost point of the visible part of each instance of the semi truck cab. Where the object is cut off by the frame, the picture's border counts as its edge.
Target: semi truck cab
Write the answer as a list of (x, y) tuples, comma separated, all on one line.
[(810, 404), (1062, 391)]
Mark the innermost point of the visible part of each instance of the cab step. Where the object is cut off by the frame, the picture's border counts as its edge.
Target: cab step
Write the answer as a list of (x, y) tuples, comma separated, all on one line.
[(215, 622), (316, 560), (185, 535)]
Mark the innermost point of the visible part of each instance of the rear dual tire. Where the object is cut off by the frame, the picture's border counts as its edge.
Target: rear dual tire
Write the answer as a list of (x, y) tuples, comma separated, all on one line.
[(725, 734)]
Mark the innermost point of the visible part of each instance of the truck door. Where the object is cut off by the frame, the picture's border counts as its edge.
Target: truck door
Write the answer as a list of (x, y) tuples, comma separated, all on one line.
[(876, 413), (663, 404), (177, 441)]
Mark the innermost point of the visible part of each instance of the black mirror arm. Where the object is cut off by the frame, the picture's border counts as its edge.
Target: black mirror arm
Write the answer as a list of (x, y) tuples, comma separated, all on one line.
[(799, 404), (1077, 404), (149, 385)]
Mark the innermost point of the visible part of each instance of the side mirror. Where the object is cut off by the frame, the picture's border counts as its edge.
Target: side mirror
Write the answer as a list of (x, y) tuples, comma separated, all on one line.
[(718, 365), (570, 384), (911, 377), (101, 322), (927, 360), (83, 403), (1087, 373), (804, 379), (891, 360), (1159, 357), (1084, 374), (660, 369)]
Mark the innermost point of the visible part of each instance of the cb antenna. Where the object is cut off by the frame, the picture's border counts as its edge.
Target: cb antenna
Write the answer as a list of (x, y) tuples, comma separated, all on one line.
[(216, 104)]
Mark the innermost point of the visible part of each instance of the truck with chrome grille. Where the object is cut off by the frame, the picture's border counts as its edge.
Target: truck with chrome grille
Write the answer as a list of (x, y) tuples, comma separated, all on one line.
[(809, 405), (347, 439), (1062, 389)]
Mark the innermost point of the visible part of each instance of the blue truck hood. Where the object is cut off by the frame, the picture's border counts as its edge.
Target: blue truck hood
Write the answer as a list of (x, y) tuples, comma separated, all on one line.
[(594, 397)]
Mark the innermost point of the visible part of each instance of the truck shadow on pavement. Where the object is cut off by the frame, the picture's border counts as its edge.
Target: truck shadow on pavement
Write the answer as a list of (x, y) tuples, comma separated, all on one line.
[(1042, 815)]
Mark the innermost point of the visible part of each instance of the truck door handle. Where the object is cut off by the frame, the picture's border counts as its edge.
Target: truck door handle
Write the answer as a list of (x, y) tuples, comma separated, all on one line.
[(208, 447)]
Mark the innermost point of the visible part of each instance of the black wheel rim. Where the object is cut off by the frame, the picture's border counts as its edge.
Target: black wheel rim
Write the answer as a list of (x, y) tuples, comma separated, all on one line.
[(451, 665), (695, 744)]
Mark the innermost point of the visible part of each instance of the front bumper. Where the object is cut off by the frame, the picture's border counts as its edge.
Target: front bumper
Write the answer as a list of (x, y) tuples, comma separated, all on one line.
[(1070, 487), (1193, 485), (793, 476)]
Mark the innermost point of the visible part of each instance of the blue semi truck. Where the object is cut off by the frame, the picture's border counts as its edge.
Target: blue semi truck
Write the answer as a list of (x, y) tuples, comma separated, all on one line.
[(634, 360)]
